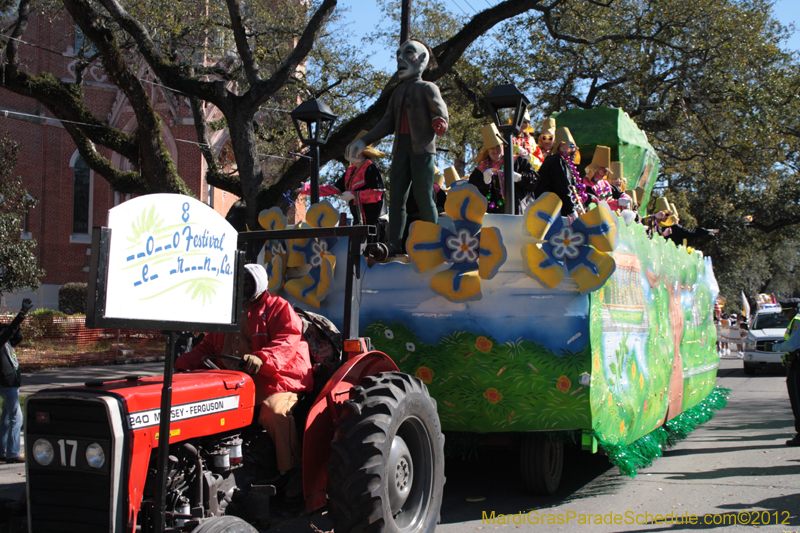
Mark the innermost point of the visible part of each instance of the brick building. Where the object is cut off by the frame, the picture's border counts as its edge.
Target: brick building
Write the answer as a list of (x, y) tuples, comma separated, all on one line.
[(72, 199)]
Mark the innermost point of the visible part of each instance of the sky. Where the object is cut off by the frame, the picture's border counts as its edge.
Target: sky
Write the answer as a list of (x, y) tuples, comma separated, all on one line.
[(787, 12), (369, 15)]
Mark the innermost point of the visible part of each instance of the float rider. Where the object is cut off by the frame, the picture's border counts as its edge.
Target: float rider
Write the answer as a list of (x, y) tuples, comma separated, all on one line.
[(791, 346), (524, 143)]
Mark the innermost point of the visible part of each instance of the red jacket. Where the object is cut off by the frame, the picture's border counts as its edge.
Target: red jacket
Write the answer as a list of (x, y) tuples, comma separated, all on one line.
[(276, 334)]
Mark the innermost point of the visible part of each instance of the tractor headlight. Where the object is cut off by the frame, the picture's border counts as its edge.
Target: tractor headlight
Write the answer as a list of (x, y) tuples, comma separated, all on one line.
[(43, 452), (95, 455)]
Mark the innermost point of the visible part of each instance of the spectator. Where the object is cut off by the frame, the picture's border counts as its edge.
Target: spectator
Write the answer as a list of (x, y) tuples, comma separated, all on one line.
[(722, 332), (11, 416), (792, 361)]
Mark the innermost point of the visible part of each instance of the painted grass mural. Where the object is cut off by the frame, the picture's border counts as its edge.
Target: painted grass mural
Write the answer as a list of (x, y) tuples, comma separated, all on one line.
[(486, 386)]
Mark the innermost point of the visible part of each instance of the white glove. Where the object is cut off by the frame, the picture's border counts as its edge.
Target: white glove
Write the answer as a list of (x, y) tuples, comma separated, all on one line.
[(353, 151), (347, 196), (517, 176), (523, 153), (624, 201), (628, 216), (487, 176)]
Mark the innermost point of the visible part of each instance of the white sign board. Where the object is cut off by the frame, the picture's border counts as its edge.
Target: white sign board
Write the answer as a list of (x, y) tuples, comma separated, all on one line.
[(171, 258)]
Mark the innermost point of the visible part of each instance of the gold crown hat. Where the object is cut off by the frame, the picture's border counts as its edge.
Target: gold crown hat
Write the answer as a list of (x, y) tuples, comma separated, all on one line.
[(527, 116), (562, 136), (633, 195), (616, 170), (438, 178), (450, 177), (600, 159), (491, 138), (672, 219), (548, 126), (370, 151), (662, 204)]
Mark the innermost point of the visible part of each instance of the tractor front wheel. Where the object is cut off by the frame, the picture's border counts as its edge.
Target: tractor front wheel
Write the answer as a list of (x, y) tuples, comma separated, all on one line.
[(387, 459)]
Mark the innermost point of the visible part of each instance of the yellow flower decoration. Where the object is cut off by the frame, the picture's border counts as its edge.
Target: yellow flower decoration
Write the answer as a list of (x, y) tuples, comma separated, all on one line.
[(275, 251), (581, 245), (317, 281), (474, 252)]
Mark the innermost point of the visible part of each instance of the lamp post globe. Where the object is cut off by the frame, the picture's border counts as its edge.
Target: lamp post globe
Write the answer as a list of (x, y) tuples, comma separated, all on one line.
[(313, 120)]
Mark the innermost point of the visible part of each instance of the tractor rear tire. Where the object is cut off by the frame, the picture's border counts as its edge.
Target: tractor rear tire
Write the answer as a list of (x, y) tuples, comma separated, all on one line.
[(541, 463), (225, 524), (387, 459)]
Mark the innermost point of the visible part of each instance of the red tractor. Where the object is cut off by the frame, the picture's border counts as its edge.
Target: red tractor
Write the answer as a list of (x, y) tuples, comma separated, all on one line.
[(372, 445)]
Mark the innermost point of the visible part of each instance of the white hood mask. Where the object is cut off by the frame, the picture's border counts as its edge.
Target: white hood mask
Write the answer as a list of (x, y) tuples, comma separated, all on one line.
[(261, 279)]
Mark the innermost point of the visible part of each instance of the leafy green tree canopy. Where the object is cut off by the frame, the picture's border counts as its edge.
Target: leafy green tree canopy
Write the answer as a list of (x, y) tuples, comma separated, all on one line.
[(18, 266)]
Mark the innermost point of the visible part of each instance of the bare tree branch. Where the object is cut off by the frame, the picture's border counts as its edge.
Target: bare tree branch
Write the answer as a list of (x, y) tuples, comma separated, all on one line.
[(242, 46)]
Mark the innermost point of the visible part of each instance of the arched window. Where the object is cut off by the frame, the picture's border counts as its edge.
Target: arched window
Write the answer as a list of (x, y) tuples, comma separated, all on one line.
[(81, 198)]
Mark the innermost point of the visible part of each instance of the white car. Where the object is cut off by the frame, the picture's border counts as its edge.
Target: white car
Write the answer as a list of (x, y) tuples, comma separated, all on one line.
[(768, 327)]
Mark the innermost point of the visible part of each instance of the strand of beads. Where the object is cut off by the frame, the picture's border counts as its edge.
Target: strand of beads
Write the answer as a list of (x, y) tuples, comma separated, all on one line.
[(578, 189), (501, 193)]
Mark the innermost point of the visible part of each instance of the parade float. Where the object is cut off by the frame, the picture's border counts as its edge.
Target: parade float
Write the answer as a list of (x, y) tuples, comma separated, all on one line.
[(536, 327)]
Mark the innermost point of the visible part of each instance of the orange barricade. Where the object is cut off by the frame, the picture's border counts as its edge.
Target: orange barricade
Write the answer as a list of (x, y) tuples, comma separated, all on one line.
[(58, 341)]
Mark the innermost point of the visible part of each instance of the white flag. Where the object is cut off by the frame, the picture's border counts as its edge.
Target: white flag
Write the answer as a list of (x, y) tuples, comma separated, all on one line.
[(745, 306)]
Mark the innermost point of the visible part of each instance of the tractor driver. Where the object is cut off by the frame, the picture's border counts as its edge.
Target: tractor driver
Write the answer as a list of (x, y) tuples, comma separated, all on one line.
[(272, 349)]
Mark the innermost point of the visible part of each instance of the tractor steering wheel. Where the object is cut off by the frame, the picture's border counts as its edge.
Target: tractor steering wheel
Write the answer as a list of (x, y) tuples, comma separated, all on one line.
[(208, 363)]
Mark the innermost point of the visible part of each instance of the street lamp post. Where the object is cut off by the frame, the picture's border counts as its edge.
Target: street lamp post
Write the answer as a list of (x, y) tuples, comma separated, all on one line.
[(507, 106), (313, 120)]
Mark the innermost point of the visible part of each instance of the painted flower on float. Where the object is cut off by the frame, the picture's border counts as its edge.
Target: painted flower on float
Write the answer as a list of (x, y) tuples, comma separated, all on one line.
[(493, 395), (425, 374), (312, 257), (275, 250), (474, 252), (482, 344), (582, 246), (563, 384)]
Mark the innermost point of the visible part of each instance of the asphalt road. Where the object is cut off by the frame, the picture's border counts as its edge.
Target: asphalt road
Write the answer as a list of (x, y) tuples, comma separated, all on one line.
[(734, 468), (736, 464)]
